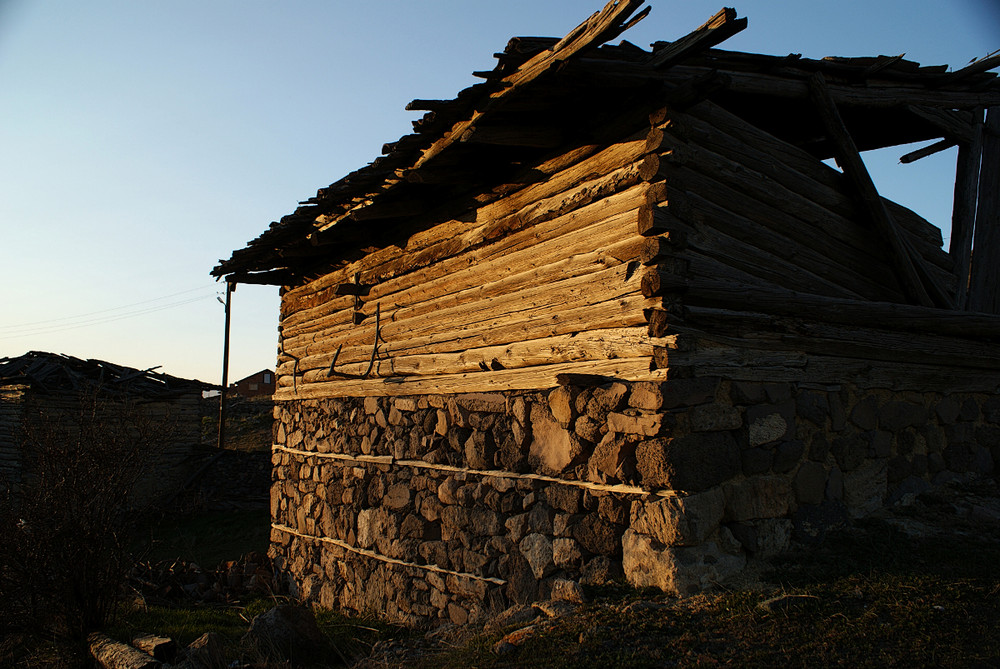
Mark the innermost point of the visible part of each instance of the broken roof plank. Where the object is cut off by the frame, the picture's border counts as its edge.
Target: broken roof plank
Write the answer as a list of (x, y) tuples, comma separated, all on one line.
[(902, 258), (600, 27), (984, 282), (717, 29), (963, 215)]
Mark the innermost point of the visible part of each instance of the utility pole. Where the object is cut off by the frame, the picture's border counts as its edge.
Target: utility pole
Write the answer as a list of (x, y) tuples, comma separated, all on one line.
[(230, 289)]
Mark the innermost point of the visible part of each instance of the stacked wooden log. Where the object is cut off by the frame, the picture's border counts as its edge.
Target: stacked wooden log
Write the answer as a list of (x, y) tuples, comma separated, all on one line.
[(544, 281)]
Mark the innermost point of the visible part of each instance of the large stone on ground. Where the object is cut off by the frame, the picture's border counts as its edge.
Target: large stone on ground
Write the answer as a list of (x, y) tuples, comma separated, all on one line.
[(676, 569), (286, 632)]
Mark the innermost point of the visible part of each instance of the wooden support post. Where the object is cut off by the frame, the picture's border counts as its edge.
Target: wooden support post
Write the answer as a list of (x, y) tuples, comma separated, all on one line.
[(984, 281), (230, 289), (857, 174), (963, 211)]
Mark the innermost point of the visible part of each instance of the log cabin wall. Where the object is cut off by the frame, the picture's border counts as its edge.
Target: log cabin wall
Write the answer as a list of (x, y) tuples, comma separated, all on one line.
[(541, 282)]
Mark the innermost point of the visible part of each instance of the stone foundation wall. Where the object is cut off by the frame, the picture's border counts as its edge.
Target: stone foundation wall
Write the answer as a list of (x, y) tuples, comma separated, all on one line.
[(444, 507)]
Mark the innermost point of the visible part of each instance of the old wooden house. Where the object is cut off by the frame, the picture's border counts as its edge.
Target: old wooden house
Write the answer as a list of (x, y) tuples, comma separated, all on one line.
[(82, 397), (610, 312)]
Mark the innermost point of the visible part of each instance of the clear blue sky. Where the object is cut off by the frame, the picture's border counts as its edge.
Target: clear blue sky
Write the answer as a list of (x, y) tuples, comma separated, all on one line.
[(142, 140)]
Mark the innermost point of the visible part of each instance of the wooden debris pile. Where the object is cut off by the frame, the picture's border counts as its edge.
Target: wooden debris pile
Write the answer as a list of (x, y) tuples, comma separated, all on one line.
[(56, 372), (181, 580)]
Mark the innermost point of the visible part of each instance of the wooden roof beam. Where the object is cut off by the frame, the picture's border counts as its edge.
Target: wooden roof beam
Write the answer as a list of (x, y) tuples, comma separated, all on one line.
[(903, 259), (984, 281), (536, 137), (963, 211), (956, 125), (716, 30)]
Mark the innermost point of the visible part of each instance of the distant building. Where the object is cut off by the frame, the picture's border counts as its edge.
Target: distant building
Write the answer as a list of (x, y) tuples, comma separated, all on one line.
[(55, 387), (260, 384)]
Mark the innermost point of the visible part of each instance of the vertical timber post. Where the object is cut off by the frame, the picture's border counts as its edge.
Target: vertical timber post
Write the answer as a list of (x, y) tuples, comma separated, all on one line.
[(230, 289)]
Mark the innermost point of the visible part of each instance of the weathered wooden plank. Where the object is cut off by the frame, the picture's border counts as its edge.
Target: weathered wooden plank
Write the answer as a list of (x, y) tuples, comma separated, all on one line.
[(963, 213), (984, 282), (720, 27), (530, 378), (531, 247), (596, 345), (727, 294), (900, 255)]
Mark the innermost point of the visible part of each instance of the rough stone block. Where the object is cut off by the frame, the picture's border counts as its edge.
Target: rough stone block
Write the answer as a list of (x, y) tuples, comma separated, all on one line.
[(566, 552), (614, 510), (587, 428), (748, 393), (849, 452), (787, 455), (813, 405), (565, 590), (563, 497), (648, 425), (605, 399), (684, 521), (646, 395), (865, 488), (764, 538), (397, 496), (690, 463), (810, 483), (596, 535), (482, 402), (689, 392), (894, 416), (480, 450), (991, 410), (537, 550), (560, 402), (758, 497), (677, 570), (714, 418), (553, 447), (756, 461), (372, 524), (947, 410), (766, 429), (612, 459)]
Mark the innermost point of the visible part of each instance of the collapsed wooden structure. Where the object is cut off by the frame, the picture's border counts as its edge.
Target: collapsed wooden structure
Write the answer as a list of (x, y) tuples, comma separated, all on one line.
[(610, 307), (51, 386)]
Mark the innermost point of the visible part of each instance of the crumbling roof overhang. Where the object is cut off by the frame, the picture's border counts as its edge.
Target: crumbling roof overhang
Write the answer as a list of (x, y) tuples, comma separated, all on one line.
[(55, 372), (548, 91)]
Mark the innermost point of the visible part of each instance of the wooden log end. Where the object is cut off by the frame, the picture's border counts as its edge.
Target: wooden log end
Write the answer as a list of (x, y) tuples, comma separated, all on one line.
[(649, 170), (655, 249), (662, 280)]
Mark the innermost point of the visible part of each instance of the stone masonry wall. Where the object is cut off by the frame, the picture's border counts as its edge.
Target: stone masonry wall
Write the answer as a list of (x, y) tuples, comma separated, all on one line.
[(447, 507)]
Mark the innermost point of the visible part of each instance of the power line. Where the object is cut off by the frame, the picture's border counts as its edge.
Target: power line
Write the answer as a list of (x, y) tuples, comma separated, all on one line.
[(50, 329), (104, 311)]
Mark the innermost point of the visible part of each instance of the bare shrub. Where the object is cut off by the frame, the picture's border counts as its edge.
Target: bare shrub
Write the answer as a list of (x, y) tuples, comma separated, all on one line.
[(67, 534)]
